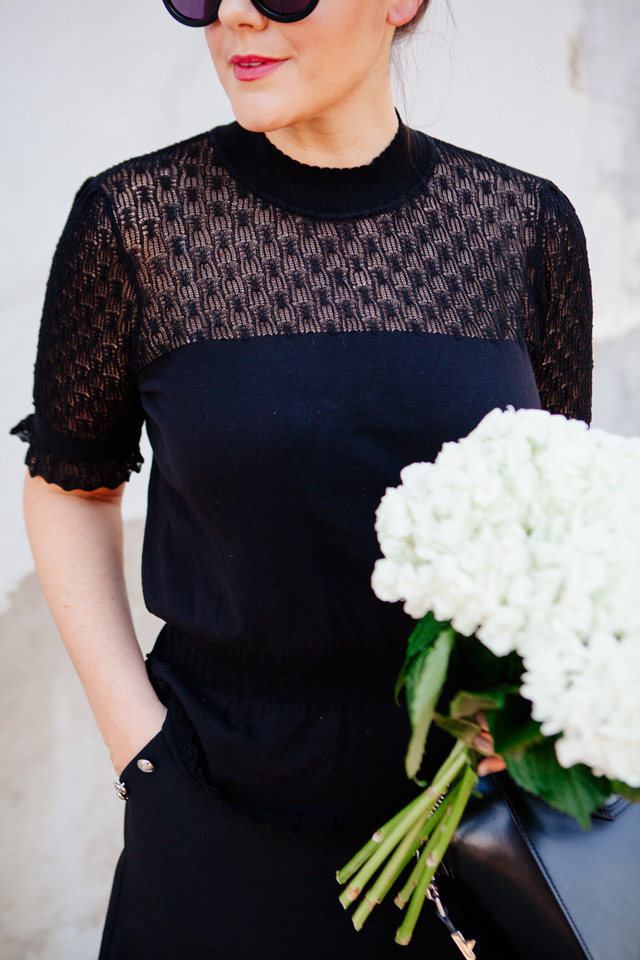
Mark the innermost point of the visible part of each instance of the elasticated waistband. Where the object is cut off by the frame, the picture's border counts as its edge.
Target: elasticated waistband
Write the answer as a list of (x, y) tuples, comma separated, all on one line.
[(366, 677)]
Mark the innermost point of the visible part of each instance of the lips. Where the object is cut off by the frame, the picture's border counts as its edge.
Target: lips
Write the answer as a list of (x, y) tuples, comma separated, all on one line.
[(251, 67)]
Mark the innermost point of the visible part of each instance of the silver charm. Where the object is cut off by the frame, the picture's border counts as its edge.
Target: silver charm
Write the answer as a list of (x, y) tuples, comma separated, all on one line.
[(120, 789), (464, 946), (145, 765)]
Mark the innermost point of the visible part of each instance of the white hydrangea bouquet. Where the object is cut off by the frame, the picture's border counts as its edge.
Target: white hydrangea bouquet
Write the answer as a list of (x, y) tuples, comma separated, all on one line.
[(518, 551)]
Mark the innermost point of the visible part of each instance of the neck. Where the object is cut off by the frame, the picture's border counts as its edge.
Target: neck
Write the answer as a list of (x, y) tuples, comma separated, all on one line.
[(350, 136), (393, 176)]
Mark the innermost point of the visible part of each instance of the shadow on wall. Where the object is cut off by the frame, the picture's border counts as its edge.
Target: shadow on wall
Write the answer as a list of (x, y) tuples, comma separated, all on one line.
[(60, 820), (616, 385)]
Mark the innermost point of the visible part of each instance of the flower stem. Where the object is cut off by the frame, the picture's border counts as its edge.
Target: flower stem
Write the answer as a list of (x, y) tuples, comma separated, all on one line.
[(382, 834), (425, 863), (434, 853), (421, 807), (396, 864), (404, 895), (374, 843), (390, 872), (386, 848)]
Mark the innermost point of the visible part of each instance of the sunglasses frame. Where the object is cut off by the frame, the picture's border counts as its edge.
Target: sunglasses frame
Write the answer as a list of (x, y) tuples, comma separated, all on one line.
[(258, 4)]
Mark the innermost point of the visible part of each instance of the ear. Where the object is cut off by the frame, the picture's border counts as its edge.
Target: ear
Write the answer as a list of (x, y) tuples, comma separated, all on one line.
[(402, 11)]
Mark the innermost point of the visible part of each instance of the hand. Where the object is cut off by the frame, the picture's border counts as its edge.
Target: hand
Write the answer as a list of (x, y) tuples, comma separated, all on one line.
[(483, 743), (124, 744)]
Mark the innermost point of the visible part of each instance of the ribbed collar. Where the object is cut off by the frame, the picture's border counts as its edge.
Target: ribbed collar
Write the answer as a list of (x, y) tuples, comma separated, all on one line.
[(394, 176)]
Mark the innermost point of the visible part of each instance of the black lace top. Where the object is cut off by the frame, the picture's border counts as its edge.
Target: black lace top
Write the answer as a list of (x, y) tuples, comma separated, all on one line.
[(292, 336)]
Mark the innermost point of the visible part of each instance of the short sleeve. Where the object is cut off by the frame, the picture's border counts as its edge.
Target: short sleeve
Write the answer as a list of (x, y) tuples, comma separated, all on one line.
[(562, 356), (86, 428)]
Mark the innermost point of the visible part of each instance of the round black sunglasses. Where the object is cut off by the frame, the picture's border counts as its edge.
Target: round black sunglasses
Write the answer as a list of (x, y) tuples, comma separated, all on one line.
[(200, 13)]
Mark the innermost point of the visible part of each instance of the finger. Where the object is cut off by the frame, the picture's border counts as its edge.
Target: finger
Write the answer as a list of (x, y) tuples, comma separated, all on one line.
[(483, 743), (491, 765), (481, 718)]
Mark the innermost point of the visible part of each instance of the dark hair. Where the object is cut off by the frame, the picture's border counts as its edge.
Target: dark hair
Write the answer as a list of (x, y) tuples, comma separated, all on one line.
[(408, 28)]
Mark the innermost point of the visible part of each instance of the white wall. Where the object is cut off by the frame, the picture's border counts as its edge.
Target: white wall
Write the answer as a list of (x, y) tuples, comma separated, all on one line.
[(85, 85), (550, 87)]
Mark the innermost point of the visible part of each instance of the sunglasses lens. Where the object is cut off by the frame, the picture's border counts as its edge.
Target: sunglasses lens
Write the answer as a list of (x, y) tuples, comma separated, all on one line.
[(287, 8), (196, 9), (197, 12)]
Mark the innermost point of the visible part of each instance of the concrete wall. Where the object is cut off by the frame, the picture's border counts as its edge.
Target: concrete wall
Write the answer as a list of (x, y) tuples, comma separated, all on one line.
[(550, 87)]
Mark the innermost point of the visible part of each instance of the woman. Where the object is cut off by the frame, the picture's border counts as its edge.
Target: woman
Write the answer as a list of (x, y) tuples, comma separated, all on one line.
[(296, 305)]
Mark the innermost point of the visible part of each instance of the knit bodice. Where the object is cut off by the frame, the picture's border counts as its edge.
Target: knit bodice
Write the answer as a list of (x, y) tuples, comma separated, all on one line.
[(293, 336)]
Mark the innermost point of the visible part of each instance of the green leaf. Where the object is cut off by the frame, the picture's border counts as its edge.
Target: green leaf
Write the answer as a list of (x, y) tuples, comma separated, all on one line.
[(512, 727), (425, 635), (459, 727), (421, 639), (424, 683), (467, 704), (475, 668), (629, 793), (575, 791)]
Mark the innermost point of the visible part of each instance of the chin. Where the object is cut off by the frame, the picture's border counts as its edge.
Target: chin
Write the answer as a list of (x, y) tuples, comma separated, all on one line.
[(260, 118), (256, 124), (265, 110)]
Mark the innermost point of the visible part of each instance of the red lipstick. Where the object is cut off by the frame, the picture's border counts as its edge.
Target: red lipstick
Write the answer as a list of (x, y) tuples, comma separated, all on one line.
[(251, 67)]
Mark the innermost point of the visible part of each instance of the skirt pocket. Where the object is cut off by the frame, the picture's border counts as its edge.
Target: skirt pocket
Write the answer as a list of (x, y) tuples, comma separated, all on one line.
[(140, 763), (168, 845), (183, 741)]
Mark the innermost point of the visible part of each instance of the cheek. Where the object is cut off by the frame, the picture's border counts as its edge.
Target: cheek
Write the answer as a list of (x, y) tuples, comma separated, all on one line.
[(336, 66), (214, 36), (347, 40), (213, 40)]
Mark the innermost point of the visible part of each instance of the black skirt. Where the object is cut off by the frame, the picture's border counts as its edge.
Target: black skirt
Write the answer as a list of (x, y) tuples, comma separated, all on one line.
[(232, 842)]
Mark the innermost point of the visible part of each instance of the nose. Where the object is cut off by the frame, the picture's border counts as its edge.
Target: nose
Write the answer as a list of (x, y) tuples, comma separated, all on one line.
[(235, 14)]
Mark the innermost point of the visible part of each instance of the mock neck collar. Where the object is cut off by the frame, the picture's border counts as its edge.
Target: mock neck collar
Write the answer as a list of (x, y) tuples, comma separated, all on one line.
[(394, 176)]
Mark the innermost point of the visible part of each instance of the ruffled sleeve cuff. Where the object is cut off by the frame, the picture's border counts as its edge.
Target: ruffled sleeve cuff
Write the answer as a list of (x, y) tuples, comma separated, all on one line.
[(75, 464)]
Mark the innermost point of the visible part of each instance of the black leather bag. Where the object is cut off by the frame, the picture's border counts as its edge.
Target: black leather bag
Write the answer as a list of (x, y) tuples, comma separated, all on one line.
[(528, 883)]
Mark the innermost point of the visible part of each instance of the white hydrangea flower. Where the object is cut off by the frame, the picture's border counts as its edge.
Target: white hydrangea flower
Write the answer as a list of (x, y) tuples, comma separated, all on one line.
[(526, 533)]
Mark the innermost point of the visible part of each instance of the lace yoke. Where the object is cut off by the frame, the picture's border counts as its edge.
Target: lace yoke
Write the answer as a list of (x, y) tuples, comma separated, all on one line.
[(181, 247)]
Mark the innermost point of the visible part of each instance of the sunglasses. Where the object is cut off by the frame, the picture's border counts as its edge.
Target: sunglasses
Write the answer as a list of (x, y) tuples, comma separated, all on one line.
[(200, 13)]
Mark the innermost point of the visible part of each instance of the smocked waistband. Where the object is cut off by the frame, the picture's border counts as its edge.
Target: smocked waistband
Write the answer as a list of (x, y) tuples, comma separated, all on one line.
[(366, 677)]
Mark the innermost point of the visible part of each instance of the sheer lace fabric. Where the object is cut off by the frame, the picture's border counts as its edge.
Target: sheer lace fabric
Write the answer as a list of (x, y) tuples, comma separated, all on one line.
[(173, 249)]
